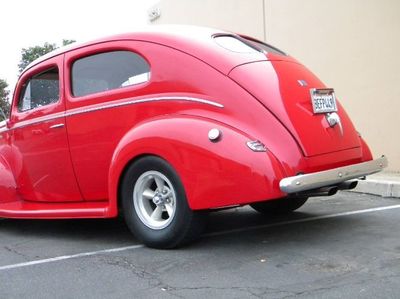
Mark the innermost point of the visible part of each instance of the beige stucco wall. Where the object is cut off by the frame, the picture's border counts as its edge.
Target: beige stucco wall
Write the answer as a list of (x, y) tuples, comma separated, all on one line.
[(245, 16), (353, 46)]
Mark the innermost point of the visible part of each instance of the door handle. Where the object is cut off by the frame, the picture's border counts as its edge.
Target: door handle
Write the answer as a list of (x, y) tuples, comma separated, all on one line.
[(57, 126)]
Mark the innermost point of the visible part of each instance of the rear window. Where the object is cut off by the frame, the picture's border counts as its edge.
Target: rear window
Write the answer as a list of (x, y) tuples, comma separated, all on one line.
[(264, 47), (234, 44), (108, 71), (245, 45)]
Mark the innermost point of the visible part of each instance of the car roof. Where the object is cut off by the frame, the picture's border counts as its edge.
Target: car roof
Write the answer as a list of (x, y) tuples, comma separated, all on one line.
[(194, 40)]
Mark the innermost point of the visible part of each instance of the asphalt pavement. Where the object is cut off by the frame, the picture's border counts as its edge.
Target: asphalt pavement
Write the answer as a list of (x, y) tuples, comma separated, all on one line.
[(344, 246)]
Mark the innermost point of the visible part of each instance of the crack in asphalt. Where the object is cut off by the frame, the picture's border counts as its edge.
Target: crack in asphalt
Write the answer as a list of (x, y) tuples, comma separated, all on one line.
[(16, 252), (249, 290), (152, 279), (374, 278), (155, 281)]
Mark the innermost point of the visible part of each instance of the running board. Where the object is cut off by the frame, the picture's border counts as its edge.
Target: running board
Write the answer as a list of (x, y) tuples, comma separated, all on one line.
[(42, 210)]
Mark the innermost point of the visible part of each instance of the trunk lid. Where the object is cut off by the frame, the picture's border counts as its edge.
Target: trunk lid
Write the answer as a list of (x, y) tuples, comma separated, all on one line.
[(283, 87)]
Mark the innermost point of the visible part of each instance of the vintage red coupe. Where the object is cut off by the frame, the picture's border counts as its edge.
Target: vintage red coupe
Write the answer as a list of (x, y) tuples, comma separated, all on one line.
[(166, 124)]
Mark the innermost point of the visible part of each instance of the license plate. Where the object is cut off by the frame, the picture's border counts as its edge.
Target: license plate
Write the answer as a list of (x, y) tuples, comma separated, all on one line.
[(323, 100)]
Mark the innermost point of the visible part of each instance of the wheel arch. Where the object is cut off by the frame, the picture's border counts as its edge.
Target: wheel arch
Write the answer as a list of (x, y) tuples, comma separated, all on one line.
[(212, 172)]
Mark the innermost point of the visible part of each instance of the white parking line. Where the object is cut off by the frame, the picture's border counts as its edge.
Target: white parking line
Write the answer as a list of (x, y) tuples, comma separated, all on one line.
[(68, 257), (248, 228), (226, 232)]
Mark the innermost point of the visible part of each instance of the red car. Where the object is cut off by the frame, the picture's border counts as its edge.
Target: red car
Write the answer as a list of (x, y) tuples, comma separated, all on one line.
[(167, 124)]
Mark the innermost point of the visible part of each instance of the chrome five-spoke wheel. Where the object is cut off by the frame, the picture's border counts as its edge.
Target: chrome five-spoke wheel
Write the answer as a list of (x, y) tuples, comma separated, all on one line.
[(155, 206), (154, 199)]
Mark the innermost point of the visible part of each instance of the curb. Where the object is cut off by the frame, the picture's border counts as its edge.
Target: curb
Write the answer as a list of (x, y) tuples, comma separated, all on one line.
[(385, 185)]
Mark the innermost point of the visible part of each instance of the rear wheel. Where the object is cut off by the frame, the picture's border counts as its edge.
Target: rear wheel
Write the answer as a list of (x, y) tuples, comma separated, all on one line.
[(155, 206), (279, 206)]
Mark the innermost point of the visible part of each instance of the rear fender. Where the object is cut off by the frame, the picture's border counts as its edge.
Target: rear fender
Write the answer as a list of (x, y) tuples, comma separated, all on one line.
[(214, 174), (366, 152)]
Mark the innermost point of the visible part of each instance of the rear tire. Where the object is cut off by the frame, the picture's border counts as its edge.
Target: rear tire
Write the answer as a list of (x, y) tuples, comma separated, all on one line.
[(279, 206), (155, 206)]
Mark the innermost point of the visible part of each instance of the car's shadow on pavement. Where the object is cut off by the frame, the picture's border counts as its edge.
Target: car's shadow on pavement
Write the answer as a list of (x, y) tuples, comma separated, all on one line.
[(237, 225), (107, 231)]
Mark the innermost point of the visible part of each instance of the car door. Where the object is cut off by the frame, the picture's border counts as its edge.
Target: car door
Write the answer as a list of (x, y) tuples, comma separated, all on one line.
[(43, 163), (99, 79)]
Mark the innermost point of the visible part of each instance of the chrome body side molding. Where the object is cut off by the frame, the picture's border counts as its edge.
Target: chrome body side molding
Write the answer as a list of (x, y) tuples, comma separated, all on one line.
[(120, 103)]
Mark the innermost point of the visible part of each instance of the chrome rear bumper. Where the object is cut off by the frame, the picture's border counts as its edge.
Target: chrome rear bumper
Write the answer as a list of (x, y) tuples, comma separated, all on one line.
[(331, 177)]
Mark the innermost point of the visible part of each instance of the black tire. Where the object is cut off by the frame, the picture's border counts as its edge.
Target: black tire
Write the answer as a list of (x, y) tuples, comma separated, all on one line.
[(183, 227), (279, 206)]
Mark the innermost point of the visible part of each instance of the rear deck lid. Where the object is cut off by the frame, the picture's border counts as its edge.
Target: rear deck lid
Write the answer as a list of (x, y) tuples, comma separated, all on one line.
[(288, 90)]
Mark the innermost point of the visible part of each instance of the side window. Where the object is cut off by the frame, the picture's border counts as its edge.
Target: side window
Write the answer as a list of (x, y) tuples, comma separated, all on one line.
[(40, 90), (108, 71)]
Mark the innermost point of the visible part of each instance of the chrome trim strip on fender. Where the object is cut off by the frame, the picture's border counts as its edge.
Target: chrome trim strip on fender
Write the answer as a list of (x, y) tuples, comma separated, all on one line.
[(37, 120), (331, 177), (125, 102), (145, 100)]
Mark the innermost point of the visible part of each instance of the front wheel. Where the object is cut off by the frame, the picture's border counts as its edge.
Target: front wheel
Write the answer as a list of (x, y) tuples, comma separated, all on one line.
[(155, 206), (279, 206)]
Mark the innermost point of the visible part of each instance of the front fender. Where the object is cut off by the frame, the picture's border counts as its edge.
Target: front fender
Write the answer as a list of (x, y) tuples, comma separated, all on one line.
[(214, 174), (8, 185)]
